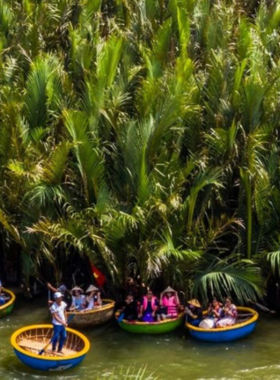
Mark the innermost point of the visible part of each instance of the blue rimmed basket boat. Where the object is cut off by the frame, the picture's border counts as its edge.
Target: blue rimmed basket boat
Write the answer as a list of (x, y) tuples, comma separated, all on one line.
[(153, 328), (240, 329), (28, 341), (8, 306)]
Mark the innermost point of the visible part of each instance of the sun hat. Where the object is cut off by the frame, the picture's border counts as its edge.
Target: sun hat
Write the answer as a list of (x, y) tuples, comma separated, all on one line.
[(78, 289), (92, 288), (58, 295), (194, 302), (169, 290)]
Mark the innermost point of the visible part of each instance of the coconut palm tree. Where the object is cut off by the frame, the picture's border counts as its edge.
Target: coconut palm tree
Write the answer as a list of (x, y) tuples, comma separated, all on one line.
[(144, 133)]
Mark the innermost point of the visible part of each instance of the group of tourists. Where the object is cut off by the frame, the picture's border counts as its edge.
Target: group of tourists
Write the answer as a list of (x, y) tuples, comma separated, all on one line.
[(218, 315), (76, 300), (150, 308), (79, 302)]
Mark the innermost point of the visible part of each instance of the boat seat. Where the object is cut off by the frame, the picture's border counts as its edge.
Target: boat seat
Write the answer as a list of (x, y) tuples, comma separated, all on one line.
[(37, 346)]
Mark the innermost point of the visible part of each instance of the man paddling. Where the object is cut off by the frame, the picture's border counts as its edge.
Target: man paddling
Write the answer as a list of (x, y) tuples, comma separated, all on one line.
[(58, 311)]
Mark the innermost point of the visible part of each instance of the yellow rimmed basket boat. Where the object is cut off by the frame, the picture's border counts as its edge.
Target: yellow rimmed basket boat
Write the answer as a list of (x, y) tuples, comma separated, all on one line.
[(240, 329), (162, 327), (8, 306), (94, 317), (30, 340)]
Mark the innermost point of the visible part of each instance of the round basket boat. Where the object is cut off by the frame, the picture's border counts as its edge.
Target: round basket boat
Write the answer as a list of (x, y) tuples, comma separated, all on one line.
[(161, 327), (94, 317), (8, 306), (245, 325), (30, 340)]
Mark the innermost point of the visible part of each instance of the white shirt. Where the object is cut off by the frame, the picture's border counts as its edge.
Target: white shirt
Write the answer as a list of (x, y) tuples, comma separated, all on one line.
[(59, 310)]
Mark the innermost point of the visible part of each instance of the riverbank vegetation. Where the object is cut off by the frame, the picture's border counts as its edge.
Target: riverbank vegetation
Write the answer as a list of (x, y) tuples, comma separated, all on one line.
[(143, 135)]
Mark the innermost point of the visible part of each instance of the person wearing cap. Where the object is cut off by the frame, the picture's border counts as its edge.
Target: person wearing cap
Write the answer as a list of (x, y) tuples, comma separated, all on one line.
[(148, 308), (194, 312), (93, 298), (63, 290), (169, 303), (58, 312), (78, 299)]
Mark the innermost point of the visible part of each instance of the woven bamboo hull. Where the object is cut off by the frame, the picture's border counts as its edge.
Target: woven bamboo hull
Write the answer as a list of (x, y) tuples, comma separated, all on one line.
[(8, 307), (29, 340), (153, 328), (226, 334), (93, 317)]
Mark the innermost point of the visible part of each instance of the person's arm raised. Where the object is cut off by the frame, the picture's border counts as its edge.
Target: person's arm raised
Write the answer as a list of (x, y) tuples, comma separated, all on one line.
[(52, 288)]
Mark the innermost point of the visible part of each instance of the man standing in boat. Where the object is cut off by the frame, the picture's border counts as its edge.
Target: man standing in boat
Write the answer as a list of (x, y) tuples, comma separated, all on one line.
[(58, 311)]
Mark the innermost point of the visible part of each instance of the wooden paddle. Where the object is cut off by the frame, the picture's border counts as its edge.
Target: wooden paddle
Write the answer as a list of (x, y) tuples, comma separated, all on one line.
[(55, 336)]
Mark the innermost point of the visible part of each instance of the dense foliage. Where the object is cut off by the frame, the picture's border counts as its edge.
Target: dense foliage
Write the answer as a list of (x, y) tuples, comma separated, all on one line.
[(143, 134)]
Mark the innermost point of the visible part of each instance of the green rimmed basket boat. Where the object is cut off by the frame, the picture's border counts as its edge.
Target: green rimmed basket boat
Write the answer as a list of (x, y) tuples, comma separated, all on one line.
[(152, 328), (8, 307), (95, 317)]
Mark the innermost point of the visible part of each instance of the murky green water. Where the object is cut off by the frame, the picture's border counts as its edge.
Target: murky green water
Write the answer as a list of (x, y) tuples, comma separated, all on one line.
[(169, 356)]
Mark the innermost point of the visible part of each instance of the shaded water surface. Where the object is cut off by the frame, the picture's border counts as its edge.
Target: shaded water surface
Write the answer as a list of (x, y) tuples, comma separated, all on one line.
[(169, 357)]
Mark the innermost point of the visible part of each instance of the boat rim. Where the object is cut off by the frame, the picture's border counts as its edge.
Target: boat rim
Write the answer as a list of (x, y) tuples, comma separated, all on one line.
[(228, 328), (110, 305), (156, 323), (11, 301), (37, 356)]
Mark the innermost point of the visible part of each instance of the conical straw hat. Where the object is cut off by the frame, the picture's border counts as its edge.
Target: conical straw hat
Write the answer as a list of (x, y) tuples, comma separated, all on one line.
[(78, 289), (194, 302), (169, 290), (92, 288)]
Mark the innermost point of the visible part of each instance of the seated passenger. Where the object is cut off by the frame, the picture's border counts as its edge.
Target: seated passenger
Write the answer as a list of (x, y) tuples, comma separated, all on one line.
[(230, 314), (2, 297), (214, 314), (169, 303), (130, 309), (93, 298), (78, 299), (148, 308), (194, 312)]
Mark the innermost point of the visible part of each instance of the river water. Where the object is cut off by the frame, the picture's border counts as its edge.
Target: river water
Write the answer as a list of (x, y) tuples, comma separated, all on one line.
[(166, 357)]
